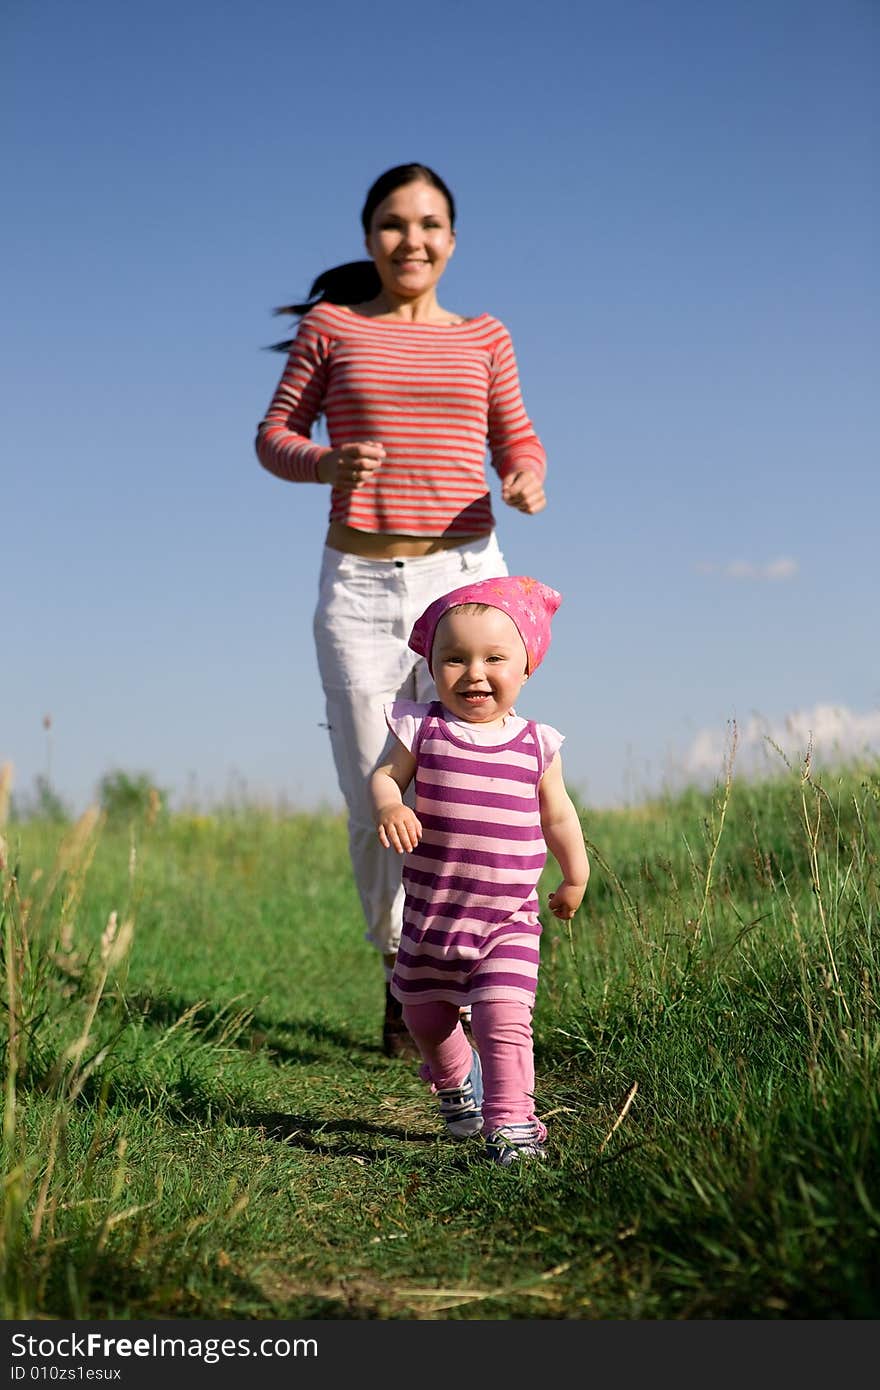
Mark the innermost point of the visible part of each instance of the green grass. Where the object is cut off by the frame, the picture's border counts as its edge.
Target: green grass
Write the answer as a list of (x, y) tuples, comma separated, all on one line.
[(200, 1123)]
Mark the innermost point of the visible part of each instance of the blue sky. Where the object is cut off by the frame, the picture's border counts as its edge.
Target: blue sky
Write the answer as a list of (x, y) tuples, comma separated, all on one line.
[(673, 207)]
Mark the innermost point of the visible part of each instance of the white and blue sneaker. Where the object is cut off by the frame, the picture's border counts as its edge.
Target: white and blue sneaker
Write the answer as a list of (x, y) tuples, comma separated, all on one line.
[(513, 1143), (461, 1105)]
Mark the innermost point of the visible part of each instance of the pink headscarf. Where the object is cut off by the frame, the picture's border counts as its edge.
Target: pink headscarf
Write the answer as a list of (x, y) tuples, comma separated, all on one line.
[(528, 602)]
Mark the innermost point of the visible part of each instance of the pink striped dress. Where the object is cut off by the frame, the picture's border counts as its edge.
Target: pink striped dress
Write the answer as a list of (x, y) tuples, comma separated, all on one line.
[(470, 925)]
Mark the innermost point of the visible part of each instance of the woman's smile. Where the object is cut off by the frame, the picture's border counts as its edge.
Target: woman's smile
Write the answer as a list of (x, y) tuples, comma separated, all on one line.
[(410, 240)]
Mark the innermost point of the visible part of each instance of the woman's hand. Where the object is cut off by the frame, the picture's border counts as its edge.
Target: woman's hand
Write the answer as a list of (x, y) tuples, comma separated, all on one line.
[(351, 466), (525, 491)]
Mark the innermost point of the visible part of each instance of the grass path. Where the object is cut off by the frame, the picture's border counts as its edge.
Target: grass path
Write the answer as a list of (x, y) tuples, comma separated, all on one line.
[(199, 1121)]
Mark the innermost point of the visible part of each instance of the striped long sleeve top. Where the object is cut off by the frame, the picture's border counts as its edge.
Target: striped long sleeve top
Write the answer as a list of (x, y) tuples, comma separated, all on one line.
[(435, 395)]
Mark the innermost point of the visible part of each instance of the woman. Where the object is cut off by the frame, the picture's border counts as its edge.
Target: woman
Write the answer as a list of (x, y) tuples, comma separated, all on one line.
[(411, 393)]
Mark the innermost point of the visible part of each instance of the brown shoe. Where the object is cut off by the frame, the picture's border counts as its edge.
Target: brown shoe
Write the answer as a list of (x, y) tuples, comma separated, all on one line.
[(396, 1038)]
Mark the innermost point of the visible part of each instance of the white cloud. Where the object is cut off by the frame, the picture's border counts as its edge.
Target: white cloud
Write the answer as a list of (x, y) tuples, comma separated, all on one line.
[(833, 733), (784, 568), (773, 571)]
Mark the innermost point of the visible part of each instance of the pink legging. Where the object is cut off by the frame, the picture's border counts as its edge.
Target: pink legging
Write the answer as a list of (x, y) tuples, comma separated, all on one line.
[(502, 1031)]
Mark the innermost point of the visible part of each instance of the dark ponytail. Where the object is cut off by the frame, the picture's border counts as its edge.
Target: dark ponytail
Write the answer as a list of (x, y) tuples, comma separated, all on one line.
[(356, 282), (352, 283)]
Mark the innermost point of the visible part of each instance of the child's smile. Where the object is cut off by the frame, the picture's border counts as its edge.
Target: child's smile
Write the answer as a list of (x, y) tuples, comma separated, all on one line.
[(479, 664)]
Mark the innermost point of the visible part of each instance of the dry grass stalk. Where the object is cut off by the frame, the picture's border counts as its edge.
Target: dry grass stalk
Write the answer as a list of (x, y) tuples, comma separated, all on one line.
[(528, 1288), (812, 830), (74, 859), (710, 868), (71, 1073), (621, 1117), (6, 779)]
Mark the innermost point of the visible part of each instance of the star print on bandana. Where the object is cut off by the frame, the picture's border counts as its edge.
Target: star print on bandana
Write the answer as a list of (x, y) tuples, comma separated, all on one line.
[(528, 602)]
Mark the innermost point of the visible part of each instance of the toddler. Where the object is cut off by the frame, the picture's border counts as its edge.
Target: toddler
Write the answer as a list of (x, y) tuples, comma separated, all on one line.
[(490, 800)]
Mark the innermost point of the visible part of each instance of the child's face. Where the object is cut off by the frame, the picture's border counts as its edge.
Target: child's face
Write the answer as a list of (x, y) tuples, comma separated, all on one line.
[(479, 663)]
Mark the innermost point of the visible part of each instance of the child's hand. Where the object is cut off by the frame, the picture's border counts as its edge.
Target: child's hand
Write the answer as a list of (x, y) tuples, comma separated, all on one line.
[(565, 902), (399, 828)]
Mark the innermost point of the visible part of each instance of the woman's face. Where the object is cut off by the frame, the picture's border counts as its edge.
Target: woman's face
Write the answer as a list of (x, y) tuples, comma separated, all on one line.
[(411, 239)]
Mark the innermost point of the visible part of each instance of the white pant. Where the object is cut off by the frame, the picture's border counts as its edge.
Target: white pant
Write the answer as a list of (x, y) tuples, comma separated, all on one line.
[(365, 614)]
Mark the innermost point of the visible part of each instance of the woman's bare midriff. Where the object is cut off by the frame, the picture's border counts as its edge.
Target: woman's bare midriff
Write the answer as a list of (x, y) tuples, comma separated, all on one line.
[(379, 546)]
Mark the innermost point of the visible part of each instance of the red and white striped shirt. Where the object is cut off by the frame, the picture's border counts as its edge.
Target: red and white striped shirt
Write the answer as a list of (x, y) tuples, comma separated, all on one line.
[(433, 394)]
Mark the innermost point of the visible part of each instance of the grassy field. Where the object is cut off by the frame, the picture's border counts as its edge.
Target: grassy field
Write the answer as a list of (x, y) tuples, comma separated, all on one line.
[(199, 1122)]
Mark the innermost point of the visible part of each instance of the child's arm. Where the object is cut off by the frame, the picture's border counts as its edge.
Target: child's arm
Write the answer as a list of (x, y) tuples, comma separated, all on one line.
[(399, 827), (565, 840)]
